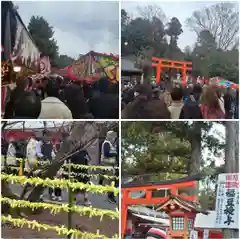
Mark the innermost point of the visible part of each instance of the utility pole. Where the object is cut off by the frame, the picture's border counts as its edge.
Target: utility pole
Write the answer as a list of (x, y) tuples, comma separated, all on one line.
[(232, 135)]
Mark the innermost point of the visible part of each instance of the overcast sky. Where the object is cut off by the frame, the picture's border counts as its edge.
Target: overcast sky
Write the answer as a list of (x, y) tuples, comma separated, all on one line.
[(180, 9), (79, 26), (219, 130)]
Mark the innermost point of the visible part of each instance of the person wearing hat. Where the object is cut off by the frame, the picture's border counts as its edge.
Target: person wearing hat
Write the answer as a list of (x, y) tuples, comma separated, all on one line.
[(108, 158)]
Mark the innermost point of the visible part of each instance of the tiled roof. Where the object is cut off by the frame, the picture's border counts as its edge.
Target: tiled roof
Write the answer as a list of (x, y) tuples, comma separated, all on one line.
[(182, 203)]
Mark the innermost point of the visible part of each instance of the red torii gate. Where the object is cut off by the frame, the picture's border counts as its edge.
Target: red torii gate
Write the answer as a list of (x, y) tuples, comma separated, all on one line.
[(163, 63), (149, 199)]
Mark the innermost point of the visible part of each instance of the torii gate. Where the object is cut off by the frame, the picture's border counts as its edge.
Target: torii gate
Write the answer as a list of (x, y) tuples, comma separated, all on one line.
[(172, 185), (163, 63)]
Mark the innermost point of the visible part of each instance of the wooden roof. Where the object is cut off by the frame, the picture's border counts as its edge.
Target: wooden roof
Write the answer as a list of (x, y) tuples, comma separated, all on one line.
[(182, 203)]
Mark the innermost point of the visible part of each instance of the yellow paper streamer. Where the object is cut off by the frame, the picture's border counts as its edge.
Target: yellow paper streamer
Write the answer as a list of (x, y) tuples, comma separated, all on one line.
[(62, 231), (60, 183), (55, 208), (78, 166), (96, 175)]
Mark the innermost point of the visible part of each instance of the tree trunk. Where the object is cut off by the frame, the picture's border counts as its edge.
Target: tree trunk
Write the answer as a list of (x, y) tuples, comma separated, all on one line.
[(230, 162), (196, 157), (237, 148), (195, 140), (6, 192)]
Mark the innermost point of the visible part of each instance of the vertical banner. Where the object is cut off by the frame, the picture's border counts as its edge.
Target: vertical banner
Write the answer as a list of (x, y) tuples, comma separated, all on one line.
[(45, 66), (227, 202)]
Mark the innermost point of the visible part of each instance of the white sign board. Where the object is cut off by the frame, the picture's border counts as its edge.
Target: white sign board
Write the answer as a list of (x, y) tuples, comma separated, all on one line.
[(227, 202), (205, 234), (193, 235)]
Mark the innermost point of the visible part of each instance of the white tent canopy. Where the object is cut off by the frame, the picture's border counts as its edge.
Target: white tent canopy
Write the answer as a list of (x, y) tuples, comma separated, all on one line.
[(165, 222)]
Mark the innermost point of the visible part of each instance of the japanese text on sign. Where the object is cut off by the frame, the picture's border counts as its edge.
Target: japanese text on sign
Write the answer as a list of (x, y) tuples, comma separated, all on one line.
[(227, 202)]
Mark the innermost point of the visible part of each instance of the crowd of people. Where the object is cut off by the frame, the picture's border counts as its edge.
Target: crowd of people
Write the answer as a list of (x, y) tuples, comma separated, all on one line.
[(57, 98), (42, 149), (196, 101)]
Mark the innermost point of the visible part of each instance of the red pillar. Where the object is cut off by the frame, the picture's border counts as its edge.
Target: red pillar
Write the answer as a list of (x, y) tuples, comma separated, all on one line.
[(174, 191), (184, 76), (124, 213), (158, 73)]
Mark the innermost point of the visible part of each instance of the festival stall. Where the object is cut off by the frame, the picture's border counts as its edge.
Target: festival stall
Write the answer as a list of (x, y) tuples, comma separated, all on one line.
[(92, 66), (19, 55)]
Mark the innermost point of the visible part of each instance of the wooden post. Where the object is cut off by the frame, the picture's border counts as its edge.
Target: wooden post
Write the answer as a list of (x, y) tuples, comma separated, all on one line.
[(185, 226), (70, 201), (20, 173)]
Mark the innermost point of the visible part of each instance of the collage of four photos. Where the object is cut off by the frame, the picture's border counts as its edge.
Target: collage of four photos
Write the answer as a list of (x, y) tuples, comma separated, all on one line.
[(120, 119)]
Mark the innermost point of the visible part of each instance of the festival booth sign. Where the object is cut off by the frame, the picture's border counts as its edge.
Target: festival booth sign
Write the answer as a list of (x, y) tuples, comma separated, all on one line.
[(227, 202), (92, 66)]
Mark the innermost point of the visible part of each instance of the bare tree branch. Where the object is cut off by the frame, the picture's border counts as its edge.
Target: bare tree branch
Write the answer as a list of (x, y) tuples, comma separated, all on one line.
[(221, 20), (150, 11)]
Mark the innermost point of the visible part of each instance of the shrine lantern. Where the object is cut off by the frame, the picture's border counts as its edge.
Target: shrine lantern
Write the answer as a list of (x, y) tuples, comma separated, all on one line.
[(181, 214)]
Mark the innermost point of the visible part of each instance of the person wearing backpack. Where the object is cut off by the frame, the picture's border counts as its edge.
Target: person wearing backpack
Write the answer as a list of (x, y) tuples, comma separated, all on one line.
[(191, 109)]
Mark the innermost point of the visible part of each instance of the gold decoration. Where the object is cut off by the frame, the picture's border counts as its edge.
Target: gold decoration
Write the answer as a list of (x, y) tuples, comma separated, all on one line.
[(4, 68)]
